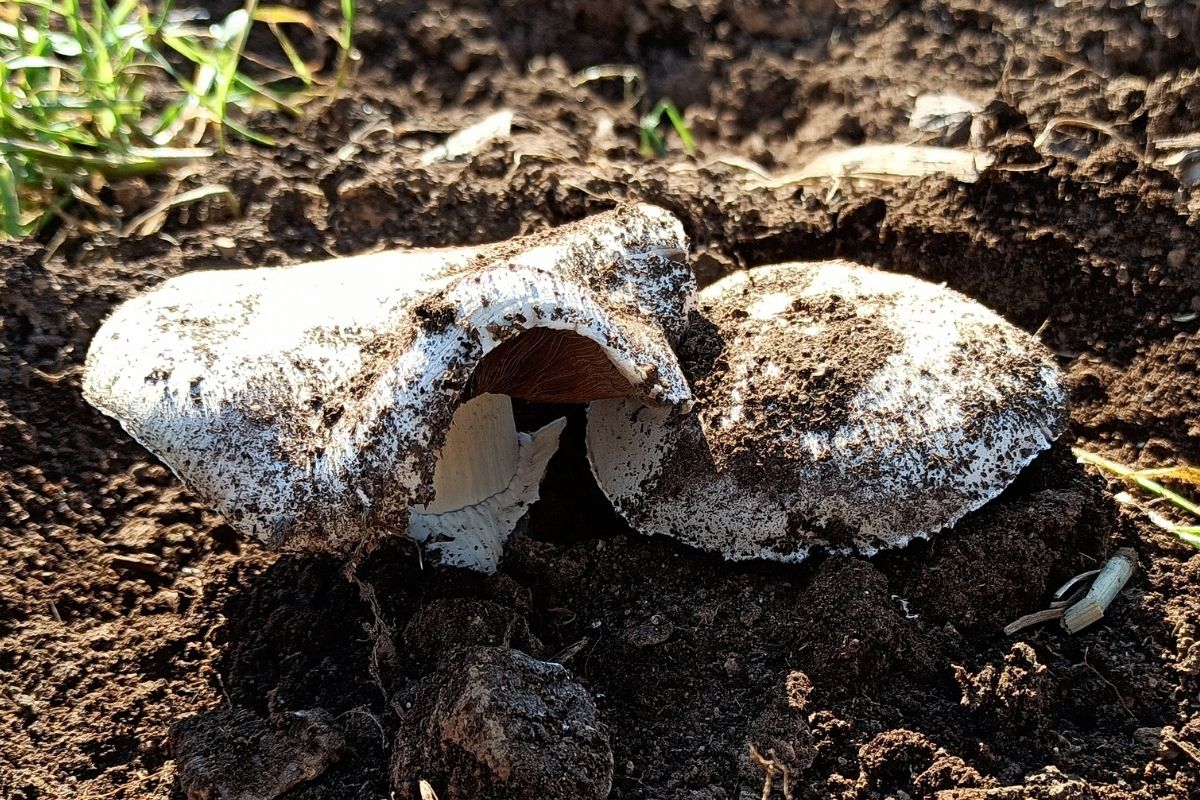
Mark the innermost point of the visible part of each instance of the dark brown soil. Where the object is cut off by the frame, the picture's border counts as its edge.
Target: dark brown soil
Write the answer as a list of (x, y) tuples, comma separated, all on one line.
[(143, 645)]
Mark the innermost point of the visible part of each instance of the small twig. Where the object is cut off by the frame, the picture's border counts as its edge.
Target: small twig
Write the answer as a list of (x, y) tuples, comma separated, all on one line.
[(633, 80), (768, 770), (1107, 585), (886, 162), (359, 135), (769, 766), (745, 164), (56, 377), (1110, 684), (569, 652), (152, 218), (381, 636)]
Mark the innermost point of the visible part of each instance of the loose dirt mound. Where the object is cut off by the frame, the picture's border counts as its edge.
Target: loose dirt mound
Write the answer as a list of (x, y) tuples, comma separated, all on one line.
[(127, 608)]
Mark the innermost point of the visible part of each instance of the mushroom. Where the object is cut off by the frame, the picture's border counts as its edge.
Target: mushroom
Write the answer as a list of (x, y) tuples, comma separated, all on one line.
[(324, 405), (838, 406)]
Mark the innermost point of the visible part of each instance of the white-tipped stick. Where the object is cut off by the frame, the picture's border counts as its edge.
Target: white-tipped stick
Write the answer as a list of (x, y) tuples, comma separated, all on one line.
[(1108, 584)]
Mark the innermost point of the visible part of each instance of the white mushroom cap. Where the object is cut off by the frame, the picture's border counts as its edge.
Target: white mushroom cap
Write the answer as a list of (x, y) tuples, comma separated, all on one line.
[(308, 404), (839, 407)]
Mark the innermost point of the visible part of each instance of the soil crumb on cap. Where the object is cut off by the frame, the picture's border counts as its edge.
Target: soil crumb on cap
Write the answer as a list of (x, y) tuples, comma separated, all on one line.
[(784, 364)]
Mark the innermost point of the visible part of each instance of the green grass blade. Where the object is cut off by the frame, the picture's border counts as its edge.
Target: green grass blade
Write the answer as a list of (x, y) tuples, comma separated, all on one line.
[(681, 128), (1189, 534), (10, 201), (293, 56), (129, 162), (31, 62), (1138, 478), (75, 76), (229, 56)]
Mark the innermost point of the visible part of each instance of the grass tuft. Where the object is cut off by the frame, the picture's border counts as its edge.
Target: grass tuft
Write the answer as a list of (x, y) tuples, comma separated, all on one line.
[(1150, 482), (653, 142), (92, 93)]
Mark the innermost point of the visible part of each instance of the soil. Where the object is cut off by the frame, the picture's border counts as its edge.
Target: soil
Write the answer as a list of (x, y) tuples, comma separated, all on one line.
[(827, 352), (145, 648)]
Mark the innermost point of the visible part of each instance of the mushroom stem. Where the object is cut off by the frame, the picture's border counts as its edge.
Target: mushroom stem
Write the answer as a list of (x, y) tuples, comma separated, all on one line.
[(479, 457), (487, 476)]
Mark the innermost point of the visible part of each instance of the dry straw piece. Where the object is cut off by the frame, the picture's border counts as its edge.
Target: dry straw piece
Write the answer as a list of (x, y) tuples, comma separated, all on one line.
[(471, 139), (318, 405), (839, 407), (887, 162), (1108, 583), (1077, 612)]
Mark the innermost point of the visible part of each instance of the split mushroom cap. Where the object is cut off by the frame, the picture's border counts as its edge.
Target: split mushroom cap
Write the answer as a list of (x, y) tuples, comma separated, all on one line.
[(839, 407), (312, 405)]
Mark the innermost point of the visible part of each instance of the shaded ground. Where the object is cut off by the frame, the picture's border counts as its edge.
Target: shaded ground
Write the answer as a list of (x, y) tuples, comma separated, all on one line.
[(126, 607)]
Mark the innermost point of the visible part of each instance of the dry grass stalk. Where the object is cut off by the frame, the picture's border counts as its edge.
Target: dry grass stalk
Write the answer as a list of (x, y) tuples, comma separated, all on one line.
[(886, 162)]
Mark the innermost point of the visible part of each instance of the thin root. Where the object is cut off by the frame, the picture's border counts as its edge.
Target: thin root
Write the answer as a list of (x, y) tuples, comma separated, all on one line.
[(769, 765)]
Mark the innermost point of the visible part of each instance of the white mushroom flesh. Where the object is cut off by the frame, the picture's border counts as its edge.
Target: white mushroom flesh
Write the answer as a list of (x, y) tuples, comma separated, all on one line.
[(487, 476), (839, 407), (308, 404)]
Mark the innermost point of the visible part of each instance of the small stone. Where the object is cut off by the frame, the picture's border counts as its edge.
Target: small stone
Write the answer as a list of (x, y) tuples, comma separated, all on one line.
[(234, 754), (655, 630), (495, 722)]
